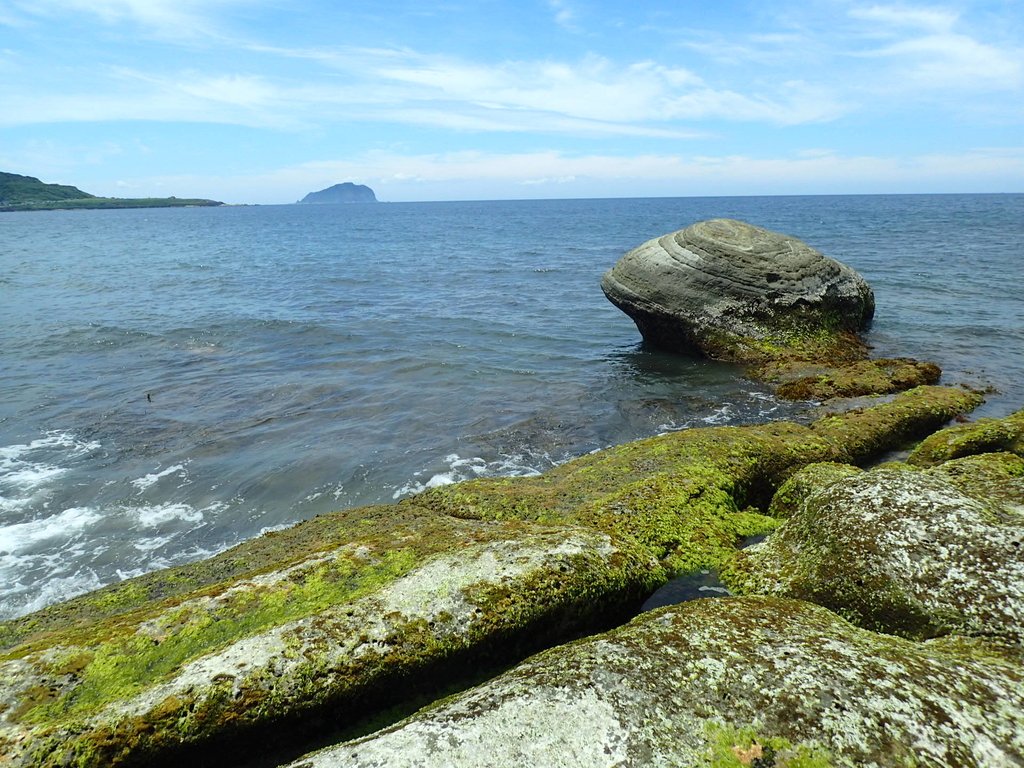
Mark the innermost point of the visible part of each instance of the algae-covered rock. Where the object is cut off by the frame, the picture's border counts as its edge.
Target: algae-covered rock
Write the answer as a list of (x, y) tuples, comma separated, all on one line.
[(734, 291), (719, 683), (326, 634), (795, 379), (792, 493), (915, 553), (320, 622), (982, 436), (689, 496)]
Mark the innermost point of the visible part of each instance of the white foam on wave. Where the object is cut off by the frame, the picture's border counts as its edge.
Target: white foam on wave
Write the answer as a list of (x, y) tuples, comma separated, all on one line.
[(156, 515), (142, 483), (460, 469), (22, 536), (17, 603), (29, 470)]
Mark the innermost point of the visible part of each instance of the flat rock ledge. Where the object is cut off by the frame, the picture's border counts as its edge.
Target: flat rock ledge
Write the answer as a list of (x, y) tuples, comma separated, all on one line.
[(722, 682), (340, 617), (403, 602), (730, 290)]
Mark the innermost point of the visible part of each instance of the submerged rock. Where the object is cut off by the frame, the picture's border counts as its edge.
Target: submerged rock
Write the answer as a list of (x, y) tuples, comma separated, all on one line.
[(724, 682), (904, 551), (734, 291)]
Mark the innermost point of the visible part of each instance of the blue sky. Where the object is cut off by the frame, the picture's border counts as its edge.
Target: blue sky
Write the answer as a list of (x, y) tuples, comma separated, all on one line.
[(262, 101)]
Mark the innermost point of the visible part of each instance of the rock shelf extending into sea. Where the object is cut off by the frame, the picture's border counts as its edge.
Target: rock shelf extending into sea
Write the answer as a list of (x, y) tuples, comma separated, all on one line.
[(878, 621)]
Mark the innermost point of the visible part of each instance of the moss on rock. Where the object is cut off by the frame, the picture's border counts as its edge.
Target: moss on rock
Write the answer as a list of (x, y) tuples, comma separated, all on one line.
[(982, 436), (799, 380), (718, 683), (792, 493), (322, 619), (914, 553), (688, 496), (327, 632)]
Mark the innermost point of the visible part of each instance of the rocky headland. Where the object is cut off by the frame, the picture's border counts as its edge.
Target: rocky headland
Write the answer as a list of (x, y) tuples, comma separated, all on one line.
[(27, 193), (876, 615)]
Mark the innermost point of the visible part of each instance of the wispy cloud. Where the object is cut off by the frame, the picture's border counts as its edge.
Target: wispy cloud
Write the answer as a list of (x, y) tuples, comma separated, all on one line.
[(588, 97), (462, 175), (929, 51), (172, 19), (593, 91), (929, 19), (565, 14)]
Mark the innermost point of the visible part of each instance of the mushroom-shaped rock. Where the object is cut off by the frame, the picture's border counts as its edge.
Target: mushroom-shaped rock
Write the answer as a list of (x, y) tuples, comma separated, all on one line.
[(734, 291)]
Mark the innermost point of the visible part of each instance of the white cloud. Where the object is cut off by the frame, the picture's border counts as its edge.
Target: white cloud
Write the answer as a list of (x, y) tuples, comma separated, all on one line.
[(929, 53), (936, 20), (565, 15), (466, 175), (174, 19), (588, 97)]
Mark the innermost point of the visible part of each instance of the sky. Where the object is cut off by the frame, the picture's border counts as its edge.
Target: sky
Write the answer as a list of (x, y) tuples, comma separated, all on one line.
[(262, 101)]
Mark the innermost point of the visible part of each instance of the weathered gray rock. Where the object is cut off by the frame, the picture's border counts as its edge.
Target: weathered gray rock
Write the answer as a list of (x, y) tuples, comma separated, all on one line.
[(346, 613), (911, 552), (720, 683), (734, 291), (359, 623)]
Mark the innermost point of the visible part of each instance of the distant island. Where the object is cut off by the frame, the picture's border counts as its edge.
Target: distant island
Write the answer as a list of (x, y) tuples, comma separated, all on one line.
[(341, 193), (27, 193)]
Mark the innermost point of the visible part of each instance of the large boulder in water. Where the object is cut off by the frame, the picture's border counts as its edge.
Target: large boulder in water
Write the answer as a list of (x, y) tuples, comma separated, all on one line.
[(734, 291)]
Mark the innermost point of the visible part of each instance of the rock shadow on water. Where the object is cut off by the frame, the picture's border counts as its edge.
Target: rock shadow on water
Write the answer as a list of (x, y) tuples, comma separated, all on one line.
[(692, 586)]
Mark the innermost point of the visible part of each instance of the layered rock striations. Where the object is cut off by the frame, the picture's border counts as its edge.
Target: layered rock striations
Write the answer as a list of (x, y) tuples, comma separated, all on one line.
[(730, 290), (733, 291)]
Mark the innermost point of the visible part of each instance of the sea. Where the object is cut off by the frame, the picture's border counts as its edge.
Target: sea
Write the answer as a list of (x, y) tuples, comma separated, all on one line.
[(175, 381)]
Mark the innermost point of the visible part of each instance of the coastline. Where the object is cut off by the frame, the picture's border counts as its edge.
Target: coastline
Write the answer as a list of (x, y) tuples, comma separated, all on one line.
[(349, 614), (105, 203)]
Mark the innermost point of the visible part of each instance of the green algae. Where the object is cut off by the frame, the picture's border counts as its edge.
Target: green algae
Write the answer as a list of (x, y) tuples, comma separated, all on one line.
[(265, 553), (918, 553), (125, 664), (702, 683), (982, 436), (688, 496), (797, 380), (733, 747), (672, 504), (794, 490), (336, 632)]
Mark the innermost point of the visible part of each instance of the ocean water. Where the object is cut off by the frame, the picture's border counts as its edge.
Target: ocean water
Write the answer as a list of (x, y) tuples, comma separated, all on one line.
[(175, 381)]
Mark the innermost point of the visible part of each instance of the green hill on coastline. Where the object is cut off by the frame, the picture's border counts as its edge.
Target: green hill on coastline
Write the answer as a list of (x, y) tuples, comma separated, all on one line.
[(27, 193)]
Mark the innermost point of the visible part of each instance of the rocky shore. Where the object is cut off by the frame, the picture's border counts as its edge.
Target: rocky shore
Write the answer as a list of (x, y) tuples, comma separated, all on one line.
[(878, 620)]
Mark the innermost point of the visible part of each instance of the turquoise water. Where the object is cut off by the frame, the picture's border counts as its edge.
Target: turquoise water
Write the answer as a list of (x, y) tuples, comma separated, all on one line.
[(177, 380)]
